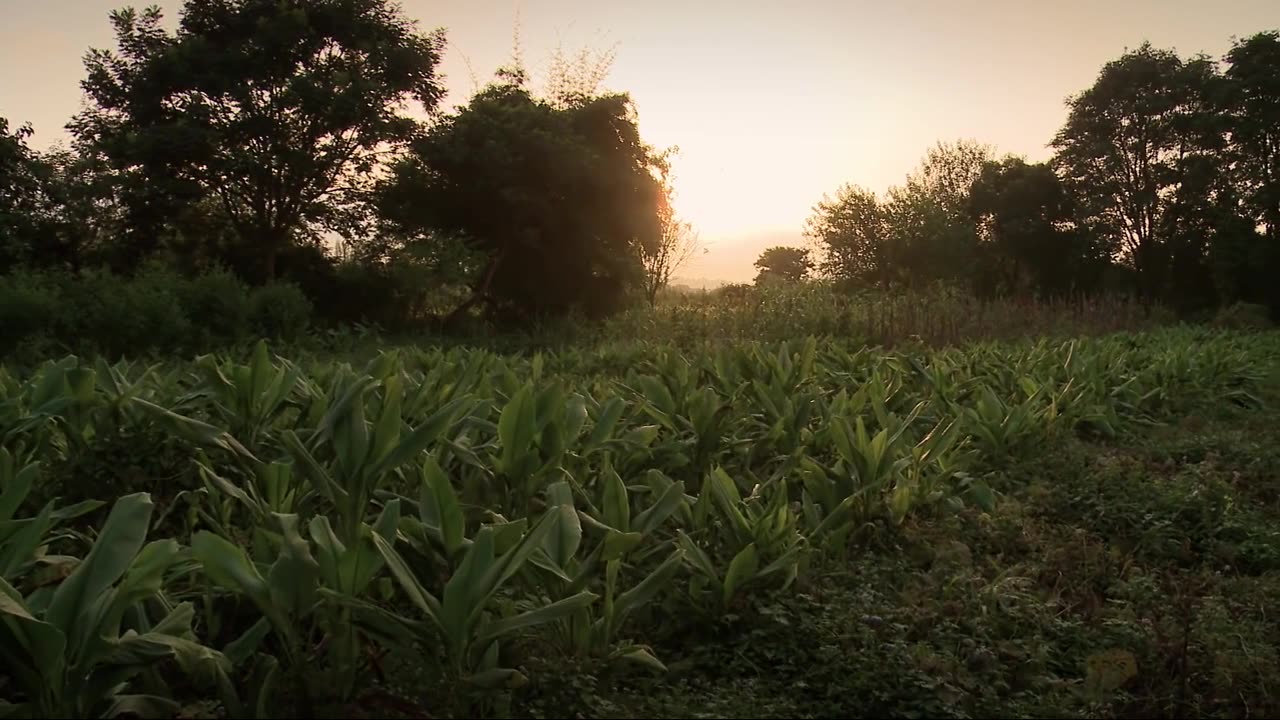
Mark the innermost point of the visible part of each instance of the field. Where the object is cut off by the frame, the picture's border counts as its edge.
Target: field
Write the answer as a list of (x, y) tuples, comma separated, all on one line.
[(1053, 527)]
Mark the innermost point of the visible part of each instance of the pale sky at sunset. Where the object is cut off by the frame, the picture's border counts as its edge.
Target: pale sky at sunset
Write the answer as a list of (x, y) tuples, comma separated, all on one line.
[(772, 103)]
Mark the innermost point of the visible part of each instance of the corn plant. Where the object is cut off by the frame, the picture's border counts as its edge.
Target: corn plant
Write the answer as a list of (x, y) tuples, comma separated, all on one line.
[(247, 399), (461, 620), (593, 630), (758, 534), (71, 650)]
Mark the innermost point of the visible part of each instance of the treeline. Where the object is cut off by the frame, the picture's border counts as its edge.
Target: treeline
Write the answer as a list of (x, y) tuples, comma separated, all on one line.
[(304, 143), (1165, 184)]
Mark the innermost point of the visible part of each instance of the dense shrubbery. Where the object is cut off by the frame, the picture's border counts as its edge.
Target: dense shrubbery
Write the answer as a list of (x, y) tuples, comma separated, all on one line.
[(156, 311)]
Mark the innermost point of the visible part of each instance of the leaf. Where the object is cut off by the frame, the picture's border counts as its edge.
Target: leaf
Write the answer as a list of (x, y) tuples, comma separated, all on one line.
[(643, 657), (617, 505), (562, 545), (498, 678), (652, 517), (439, 497), (294, 575), (239, 651), (617, 544), (143, 706), (426, 433), (545, 614), (741, 570), (647, 589), (610, 412), (122, 536), (424, 600), (228, 567), (516, 428)]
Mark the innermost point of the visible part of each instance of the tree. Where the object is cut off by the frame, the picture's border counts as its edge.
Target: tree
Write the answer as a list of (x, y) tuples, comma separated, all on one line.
[(851, 231), (557, 200), (934, 236), (1246, 264), (1253, 76), (782, 264), (921, 232), (277, 109), (1029, 242), (677, 240), (1129, 142)]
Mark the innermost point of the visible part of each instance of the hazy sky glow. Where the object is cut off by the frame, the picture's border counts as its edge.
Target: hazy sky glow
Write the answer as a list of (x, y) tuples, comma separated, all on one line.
[(772, 103)]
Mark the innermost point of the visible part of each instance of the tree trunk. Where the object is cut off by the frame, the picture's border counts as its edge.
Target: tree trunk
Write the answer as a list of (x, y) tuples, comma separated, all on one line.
[(480, 293)]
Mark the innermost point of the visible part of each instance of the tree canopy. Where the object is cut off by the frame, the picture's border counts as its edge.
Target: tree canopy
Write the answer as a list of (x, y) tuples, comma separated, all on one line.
[(277, 111), (559, 199)]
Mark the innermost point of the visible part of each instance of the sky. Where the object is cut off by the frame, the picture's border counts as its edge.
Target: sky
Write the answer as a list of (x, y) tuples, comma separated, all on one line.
[(772, 104)]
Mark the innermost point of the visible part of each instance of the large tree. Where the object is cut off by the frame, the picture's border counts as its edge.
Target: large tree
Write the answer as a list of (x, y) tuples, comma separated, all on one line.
[(1253, 107), (1029, 240), (277, 109), (1246, 265), (557, 197), (1129, 143)]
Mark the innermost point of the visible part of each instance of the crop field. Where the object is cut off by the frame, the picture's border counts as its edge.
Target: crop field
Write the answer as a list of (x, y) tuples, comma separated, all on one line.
[(1084, 527)]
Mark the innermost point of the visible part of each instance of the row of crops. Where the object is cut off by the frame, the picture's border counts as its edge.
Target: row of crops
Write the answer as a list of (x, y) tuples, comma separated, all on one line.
[(253, 530)]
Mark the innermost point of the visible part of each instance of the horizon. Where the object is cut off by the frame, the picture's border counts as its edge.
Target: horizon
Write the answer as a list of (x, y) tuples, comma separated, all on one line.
[(771, 108)]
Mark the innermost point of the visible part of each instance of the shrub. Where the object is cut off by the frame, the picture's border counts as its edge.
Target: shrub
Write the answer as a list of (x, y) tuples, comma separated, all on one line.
[(279, 310), (28, 307), (117, 317), (217, 304), (1243, 316)]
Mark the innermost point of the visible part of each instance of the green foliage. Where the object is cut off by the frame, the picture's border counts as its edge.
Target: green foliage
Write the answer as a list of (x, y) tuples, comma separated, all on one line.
[(782, 264), (279, 310), (312, 95), (557, 198), (153, 312), (487, 513)]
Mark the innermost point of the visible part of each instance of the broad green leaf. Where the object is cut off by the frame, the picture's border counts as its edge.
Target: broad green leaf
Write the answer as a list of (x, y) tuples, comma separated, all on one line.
[(293, 576), (618, 544), (610, 412), (517, 427), (427, 432), (418, 595), (741, 570), (228, 567), (648, 588), (439, 503), (652, 517), (617, 505), (545, 614), (122, 536), (643, 657)]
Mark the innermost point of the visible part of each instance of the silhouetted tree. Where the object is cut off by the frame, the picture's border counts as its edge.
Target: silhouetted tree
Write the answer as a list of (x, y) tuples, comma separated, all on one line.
[(782, 264), (1129, 142), (922, 232), (1029, 242), (851, 232), (557, 199), (1246, 265), (277, 109), (677, 240)]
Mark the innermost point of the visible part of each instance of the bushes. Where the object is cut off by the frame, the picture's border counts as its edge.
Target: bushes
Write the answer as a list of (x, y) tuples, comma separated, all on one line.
[(279, 310), (156, 311)]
